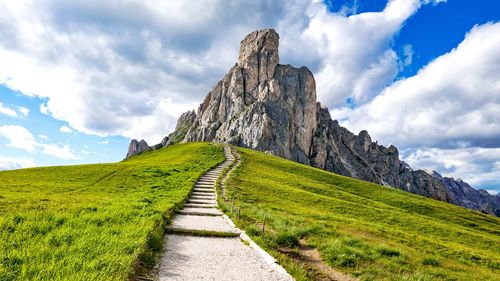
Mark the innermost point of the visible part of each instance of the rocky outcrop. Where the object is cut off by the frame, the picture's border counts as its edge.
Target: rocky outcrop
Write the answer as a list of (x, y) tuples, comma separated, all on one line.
[(461, 193), (267, 106), (136, 147), (338, 150), (184, 122)]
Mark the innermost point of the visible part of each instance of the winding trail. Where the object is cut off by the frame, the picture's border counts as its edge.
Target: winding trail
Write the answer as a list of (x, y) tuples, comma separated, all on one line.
[(204, 244)]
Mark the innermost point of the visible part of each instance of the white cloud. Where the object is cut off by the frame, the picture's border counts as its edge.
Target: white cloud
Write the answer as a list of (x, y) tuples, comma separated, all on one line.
[(453, 101), (11, 112), (7, 111), (9, 163), (352, 57), (19, 137), (477, 166), (105, 73), (142, 70), (23, 110), (63, 152), (65, 129)]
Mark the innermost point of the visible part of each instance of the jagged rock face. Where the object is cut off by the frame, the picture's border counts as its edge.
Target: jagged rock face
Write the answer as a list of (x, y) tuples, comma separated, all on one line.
[(184, 122), (463, 194), (338, 150), (136, 147), (261, 104), (267, 106)]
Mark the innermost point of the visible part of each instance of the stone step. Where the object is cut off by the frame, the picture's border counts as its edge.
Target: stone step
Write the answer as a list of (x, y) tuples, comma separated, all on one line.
[(202, 233), (194, 205), (194, 213), (202, 198), (203, 194), (202, 182), (211, 181), (204, 185), (200, 201), (205, 190), (209, 178), (200, 211)]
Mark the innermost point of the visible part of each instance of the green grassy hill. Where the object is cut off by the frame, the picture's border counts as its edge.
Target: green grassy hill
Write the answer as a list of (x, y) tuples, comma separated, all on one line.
[(94, 222), (106, 221), (366, 230)]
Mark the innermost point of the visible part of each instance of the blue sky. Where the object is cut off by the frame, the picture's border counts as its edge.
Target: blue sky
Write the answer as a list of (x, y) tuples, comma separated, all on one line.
[(78, 79)]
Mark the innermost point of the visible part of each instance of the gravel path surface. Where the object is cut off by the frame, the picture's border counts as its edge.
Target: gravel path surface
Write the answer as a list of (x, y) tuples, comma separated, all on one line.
[(203, 210), (190, 257), (202, 223), (208, 258)]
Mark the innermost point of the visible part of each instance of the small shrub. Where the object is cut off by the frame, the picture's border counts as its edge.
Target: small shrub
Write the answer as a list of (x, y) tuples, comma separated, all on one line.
[(347, 252), (289, 239), (389, 252), (430, 261), (253, 230)]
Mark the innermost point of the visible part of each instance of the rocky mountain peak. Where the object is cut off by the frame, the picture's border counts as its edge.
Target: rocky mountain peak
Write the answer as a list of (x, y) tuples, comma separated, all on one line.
[(259, 55), (270, 107)]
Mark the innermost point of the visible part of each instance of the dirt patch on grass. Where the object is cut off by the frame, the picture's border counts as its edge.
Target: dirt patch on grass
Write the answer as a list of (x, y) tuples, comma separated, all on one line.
[(311, 257)]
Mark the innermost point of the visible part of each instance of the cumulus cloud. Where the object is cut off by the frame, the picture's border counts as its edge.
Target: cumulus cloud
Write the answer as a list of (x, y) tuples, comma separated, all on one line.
[(352, 57), (454, 101), (9, 163), (142, 63), (19, 137), (139, 63)]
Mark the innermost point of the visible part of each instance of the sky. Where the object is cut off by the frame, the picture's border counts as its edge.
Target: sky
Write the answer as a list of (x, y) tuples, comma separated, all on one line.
[(80, 78)]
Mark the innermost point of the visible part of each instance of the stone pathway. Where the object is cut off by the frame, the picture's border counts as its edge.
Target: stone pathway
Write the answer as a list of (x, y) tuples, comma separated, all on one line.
[(204, 244)]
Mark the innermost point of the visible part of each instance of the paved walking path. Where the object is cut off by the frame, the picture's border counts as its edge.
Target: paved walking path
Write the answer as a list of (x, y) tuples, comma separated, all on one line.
[(204, 244)]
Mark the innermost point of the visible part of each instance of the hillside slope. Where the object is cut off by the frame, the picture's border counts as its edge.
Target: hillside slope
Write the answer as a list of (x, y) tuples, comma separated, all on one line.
[(94, 222), (364, 229)]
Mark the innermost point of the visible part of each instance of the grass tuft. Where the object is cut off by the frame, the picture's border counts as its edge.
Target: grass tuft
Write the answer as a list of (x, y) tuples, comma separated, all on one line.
[(430, 261)]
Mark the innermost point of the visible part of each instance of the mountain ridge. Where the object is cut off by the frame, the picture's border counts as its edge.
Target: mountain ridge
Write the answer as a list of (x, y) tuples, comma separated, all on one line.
[(267, 106)]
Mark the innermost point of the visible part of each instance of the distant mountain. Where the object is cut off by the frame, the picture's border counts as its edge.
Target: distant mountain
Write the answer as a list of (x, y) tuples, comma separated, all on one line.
[(263, 105)]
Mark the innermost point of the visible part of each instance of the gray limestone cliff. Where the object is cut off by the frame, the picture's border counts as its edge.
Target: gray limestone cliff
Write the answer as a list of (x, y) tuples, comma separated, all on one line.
[(271, 107), (136, 147)]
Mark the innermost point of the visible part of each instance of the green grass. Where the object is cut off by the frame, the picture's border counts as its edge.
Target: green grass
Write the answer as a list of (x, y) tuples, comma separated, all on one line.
[(94, 222), (363, 229)]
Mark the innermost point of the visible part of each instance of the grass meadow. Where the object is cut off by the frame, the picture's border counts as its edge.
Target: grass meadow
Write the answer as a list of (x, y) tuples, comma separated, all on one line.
[(368, 231), (94, 222)]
